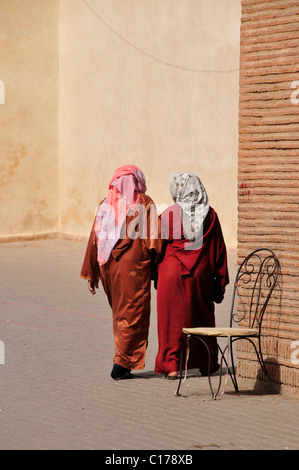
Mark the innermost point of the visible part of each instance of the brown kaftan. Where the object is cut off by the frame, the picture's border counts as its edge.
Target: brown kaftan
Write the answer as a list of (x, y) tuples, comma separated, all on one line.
[(126, 279)]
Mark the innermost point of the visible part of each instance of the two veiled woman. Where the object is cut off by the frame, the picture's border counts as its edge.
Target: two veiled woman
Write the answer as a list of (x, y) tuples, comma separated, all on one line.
[(193, 270), (121, 253)]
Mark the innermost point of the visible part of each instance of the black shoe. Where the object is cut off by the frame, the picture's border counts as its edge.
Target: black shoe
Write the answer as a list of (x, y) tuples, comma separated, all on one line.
[(205, 373), (119, 372)]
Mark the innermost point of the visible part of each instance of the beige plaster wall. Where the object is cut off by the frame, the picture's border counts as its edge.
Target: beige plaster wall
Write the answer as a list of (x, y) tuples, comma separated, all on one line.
[(28, 117), (89, 85), (149, 82)]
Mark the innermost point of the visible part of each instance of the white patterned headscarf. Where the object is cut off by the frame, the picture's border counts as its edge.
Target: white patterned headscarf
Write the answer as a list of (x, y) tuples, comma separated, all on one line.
[(187, 190)]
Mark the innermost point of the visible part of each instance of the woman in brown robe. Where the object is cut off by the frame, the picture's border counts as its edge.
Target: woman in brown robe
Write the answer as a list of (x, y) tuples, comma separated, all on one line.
[(123, 248)]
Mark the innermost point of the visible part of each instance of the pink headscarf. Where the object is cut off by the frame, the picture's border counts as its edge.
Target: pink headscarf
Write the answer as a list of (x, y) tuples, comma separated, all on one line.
[(124, 188)]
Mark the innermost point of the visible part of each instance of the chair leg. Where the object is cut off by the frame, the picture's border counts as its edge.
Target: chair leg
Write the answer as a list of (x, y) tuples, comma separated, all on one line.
[(258, 355), (233, 375), (214, 395), (223, 359), (263, 365), (260, 358), (177, 394)]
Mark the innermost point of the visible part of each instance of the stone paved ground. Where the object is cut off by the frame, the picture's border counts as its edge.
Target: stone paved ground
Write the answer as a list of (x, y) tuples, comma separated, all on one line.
[(55, 386)]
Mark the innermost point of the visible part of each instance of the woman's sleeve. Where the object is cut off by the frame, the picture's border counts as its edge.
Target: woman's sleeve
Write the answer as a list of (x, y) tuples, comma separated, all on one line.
[(90, 267), (154, 242), (221, 266)]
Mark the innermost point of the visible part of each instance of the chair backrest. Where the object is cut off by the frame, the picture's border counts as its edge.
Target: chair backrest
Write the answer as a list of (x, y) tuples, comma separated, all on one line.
[(254, 284)]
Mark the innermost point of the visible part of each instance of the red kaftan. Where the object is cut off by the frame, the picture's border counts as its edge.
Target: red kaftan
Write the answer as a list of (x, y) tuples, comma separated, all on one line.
[(184, 292)]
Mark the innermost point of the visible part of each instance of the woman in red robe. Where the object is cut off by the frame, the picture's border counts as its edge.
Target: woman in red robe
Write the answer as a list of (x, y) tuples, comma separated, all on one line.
[(194, 264), (121, 252)]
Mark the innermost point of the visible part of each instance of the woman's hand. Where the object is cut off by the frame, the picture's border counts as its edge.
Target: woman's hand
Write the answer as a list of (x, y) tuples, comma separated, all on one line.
[(92, 286)]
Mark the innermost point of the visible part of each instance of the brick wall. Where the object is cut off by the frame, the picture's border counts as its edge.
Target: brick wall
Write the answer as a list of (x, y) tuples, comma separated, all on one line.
[(268, 176)]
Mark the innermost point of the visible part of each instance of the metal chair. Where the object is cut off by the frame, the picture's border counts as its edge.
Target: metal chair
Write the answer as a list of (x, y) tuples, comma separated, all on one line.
[(253, 287)]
